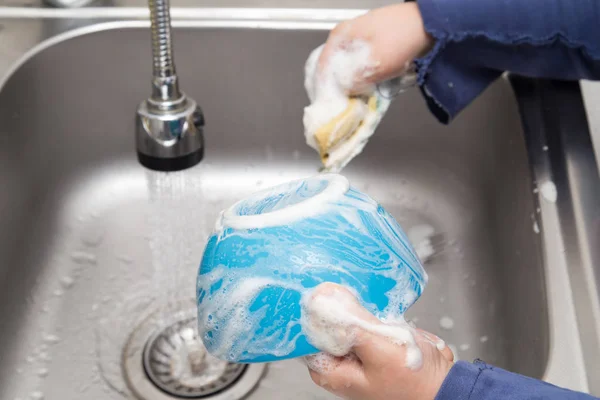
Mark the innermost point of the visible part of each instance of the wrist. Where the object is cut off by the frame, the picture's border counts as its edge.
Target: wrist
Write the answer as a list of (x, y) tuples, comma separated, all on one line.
[(441, 374), (435, 379), (422, 41)]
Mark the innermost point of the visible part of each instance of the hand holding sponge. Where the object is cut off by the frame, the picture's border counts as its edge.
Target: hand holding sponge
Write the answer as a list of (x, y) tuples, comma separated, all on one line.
[(338, 123)]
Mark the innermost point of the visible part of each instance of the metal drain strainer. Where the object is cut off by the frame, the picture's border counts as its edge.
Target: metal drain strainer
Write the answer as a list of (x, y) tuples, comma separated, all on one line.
[(164, 359), (177, 362)]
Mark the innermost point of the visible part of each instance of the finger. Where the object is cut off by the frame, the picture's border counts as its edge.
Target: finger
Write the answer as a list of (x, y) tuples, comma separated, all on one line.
[(398, 27), (338, 38), (342, 38), (343, 375), (436, 341), (447, 353)]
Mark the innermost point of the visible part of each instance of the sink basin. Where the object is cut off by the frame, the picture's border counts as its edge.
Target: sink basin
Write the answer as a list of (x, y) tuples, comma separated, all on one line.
[(92, 244)]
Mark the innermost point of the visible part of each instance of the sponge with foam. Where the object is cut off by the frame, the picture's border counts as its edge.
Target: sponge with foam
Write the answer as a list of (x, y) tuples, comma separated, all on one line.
[(336, 124)]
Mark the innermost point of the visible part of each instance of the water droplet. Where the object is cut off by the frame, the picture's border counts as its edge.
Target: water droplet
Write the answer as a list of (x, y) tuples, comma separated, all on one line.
[(446, 323), (464, 347), (29, 359), (52, 339), (43, 372), (94, 307), (549, 192), (81, 257), (58, 293), (483, 339), (93, 238), (37, 395), (67, 282)]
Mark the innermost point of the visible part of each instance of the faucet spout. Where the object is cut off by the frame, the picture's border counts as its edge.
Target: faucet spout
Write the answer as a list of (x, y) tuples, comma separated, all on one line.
[(169, 125)]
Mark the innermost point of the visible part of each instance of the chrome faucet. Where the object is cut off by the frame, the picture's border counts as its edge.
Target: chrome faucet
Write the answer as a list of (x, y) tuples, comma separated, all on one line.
[(168, 128)]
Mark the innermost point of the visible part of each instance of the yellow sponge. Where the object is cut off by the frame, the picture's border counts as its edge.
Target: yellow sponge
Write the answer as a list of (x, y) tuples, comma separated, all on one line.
[(343, 126)]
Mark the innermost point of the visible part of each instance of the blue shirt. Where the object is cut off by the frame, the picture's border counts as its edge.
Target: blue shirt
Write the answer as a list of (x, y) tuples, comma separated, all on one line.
[(477, 40), (480, 381)]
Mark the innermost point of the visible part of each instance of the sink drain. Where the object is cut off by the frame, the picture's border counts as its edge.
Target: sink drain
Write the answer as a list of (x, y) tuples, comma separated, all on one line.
[(165, 359), (176, 361)]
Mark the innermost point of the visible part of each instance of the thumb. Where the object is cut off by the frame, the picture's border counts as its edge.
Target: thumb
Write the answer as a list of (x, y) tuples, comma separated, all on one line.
[(336, 374), (376, 343)]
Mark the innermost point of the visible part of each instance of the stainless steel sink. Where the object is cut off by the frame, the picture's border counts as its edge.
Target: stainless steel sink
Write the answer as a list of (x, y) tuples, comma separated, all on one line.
[(92, 244)]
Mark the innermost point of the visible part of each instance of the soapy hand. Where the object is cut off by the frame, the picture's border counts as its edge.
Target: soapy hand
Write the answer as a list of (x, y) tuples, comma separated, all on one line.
[(396, 35), (372, 360), (348, 79)]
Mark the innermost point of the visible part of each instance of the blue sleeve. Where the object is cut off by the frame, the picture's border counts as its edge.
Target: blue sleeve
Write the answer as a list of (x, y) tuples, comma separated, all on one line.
[(480, 381), (477, 40)]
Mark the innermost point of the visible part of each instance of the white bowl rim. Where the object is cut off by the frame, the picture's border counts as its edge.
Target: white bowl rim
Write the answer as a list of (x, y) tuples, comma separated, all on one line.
[(337, 187)]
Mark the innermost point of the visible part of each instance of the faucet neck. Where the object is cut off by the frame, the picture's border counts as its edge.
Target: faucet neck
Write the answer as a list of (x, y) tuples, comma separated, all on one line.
[(166, 90), (164, 85)]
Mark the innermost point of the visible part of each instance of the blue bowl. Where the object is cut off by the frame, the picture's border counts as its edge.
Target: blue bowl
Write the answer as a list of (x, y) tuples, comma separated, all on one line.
[(271, 248)]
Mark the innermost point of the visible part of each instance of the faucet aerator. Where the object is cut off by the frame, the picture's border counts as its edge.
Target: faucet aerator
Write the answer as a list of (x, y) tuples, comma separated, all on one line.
[(169, 125)]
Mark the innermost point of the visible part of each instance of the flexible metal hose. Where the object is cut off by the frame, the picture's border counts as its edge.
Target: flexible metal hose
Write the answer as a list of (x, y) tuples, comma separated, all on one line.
[(162, 50)]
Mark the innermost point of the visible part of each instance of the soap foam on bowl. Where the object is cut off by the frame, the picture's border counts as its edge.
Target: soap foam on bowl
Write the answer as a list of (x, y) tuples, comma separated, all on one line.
[(271, 249), (421, 238), (332, 319)]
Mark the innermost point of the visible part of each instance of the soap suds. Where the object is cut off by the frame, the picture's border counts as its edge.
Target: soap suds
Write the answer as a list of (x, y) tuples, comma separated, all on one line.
[(536, 227), (446, 323), (548, 190), (337, 186), (328, 92), (464, 347), (420, 237), (331, 319), (322, 363)]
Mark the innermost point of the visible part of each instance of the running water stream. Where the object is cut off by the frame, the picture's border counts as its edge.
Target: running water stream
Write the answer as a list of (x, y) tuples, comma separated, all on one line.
[(169, 235)]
